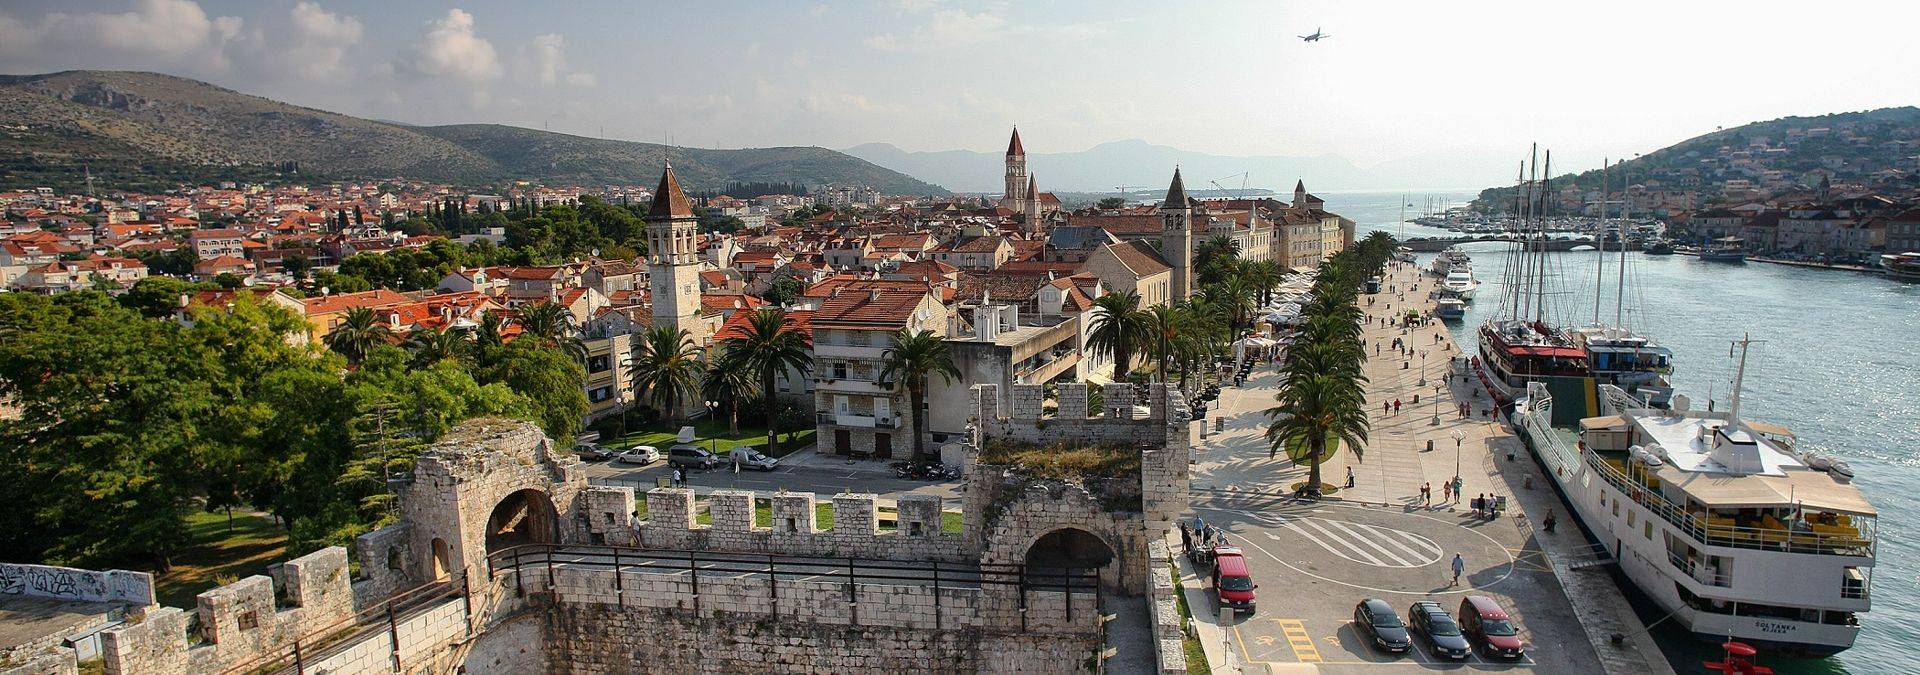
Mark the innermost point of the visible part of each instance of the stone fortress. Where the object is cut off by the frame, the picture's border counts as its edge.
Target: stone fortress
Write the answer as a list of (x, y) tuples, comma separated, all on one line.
[(505, 560)]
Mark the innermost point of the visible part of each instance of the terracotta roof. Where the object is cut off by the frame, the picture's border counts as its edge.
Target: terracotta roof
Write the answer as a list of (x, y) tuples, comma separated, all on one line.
[(798, 320), (722, 302), (668, 200), (1000, 287), (341, 302), (1037, 268), (871, 309), (1121, 225), (1139, 258)]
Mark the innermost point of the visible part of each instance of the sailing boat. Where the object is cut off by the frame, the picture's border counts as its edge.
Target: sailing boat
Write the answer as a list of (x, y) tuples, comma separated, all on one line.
[(1615, 354), (1520, 345)]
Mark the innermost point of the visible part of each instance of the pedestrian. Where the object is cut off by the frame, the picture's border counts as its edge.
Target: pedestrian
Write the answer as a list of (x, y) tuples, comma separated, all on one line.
[(1457, 485), (1550, 520), (1386, 408), (1349, 476), (1446, 491), (1459, 565), (679, 479), (1396, 406), (736, 462), (1426, 494), (1186, 539)]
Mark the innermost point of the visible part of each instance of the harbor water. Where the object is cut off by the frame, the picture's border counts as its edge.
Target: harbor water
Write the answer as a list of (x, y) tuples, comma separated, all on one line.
[(1835, 362)]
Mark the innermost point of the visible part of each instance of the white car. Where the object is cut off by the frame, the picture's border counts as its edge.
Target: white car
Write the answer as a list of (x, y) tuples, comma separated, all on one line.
[(639, 454)]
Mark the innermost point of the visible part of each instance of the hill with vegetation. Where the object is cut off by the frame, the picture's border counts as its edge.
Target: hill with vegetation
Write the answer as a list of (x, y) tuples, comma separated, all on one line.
[(146, 131), (1867, 147)]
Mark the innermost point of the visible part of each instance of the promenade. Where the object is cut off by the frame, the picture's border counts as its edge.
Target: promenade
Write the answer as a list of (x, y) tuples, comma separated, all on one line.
[(1380, 538)]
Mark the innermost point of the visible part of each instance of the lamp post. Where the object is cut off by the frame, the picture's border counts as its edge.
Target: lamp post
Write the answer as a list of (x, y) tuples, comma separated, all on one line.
[(713, 413), (1458, 435)]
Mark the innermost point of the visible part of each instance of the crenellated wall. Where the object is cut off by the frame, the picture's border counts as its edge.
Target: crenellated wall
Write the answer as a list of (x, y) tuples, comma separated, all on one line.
[(236, 623), (672, 524)]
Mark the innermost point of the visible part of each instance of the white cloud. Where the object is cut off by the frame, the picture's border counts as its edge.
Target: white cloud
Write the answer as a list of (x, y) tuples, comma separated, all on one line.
[(886, 42), (451, 49), (322, 39), (544, 60), (944, 29), (153, 34)]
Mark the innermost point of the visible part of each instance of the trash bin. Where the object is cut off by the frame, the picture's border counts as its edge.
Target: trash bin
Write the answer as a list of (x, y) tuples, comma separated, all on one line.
[(1500, 503), (1429, 445)]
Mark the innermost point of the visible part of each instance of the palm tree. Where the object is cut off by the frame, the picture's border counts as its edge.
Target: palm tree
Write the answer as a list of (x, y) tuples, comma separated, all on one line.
[(667, 370), (358, 333), (1164, 325), (913, 359), (1264, 275), (552, 325), (729, 381), (1119, 329), (1313, 409), (430, 346), (768, 345), (1212, 256)]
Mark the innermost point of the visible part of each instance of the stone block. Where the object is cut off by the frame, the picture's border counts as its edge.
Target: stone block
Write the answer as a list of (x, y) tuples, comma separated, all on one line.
[(1028, 401), (1118, 400), (229, 611), (793, 513), (670, 508), (1073, 400), (855, 514), (919, 515), (732, 510)]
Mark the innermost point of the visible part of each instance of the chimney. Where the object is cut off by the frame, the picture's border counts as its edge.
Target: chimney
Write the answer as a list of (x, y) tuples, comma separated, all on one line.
[(873, 295)]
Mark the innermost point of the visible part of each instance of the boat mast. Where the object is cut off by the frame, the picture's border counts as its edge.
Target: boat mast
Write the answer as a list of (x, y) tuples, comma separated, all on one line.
[(1600, 261), (1620, 291), (1739, 373), (1539, 282)]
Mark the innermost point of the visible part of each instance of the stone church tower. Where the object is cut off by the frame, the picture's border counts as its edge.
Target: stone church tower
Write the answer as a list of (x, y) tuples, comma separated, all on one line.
[(1017, 178), (1176, 238), (673, 264), (1031, 207)]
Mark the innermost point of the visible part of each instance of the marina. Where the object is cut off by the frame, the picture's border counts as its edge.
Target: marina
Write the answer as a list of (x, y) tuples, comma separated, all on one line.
[(1839, 385)]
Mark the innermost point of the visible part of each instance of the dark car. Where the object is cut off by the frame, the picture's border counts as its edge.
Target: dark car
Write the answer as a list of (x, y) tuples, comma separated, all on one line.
[(1486, 624), (594, 452), (1431, 621), (1375, 619), (691, 457)]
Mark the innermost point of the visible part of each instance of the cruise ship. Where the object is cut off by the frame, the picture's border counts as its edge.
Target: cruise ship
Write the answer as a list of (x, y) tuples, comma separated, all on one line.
[(1717, 519), (1449, 259), (1630, 361), (1460, 283), (1901, 265)]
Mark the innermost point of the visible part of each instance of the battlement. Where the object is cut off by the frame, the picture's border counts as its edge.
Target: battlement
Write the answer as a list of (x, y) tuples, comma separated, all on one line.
[(236, 623), (790, 527), (1119, 419)]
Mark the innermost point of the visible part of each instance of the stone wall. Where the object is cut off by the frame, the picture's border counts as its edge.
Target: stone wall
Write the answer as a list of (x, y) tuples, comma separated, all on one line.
[(386, 555), (457, 483), (1163, 612), (671, 524), (67, 583), (236, 623)]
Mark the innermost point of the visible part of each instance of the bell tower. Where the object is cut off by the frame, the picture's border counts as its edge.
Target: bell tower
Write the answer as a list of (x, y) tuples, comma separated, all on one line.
[(1176, 237), (1016, 194), (673, 264)]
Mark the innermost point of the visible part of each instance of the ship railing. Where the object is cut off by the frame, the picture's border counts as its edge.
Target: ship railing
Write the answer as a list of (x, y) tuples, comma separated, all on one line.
[(1701, 573), (1696, 526)]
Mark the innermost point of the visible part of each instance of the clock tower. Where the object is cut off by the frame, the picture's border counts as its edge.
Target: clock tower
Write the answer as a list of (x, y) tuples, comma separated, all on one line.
[(1176, 238), (673, 264)]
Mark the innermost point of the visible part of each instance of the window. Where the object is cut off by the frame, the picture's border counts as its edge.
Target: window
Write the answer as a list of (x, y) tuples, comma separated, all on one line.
[(599, 363), (599, 394), (838, 370), (1646, 529)]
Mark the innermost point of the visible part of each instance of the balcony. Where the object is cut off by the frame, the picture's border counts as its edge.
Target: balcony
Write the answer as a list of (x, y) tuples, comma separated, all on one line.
[(857, 420), (853, 385)]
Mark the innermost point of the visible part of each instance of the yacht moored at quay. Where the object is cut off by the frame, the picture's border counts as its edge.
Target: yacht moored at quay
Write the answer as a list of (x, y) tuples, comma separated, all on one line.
[(1717, 519)]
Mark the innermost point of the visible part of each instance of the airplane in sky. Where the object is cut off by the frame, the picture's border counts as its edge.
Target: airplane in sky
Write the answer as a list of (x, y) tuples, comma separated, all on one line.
[(1316, 36)]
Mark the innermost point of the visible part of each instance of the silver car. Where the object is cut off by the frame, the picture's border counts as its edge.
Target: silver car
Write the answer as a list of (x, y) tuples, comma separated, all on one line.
[(639, 454)]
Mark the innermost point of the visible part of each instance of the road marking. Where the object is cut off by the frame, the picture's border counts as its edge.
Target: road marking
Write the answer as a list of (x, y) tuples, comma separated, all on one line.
[(1363, 537), (1370, 544), (1341, 551), (1295, 631)]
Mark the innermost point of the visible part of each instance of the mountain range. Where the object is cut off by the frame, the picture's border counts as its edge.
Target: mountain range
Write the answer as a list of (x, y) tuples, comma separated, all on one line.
[(1103, 167), (143, 130)]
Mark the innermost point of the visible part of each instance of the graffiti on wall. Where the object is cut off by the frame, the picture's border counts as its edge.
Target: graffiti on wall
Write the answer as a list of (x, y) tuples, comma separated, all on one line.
[(67, 583)]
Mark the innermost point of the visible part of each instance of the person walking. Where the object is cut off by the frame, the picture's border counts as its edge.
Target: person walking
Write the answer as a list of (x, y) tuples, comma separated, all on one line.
[(1349, 476), (1550, 521), (1446, 491), (1396, 406), (1459, 565), (679, 478), (1426, 494)]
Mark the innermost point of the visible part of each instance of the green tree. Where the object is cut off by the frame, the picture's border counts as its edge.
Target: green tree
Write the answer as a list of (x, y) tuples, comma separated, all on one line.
[(729, 382), (1113, 202), (1119, 330), (667, 369), (436, 345), (770, 344), (551, 381), (1324, 396), (912, 360), (551, 325), (360, 330), (156, 297)]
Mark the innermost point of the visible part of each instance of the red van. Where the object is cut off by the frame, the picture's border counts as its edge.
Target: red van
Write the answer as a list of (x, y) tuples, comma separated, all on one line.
[(1487, 625), (1231, 580)]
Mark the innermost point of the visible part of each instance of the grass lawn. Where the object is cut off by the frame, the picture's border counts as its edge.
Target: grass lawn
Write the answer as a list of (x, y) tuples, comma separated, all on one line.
[(666, 434), (217, 556)]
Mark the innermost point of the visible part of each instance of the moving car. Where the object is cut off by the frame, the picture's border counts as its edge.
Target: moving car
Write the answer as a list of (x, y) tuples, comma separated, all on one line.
[(1375, 619), (594, 452), (1486, 624), (750, 457), (1231, 580), (1428, 619), (691, 457), (639, 454)]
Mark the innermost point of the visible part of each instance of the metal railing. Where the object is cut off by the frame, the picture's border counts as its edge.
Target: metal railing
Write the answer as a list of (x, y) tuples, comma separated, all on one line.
[(1694, 570), (318, 645), (852, 572), (1699, 529)]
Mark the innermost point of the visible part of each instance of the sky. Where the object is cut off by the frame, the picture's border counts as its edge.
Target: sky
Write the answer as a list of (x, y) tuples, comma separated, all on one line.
[(1397, 83)]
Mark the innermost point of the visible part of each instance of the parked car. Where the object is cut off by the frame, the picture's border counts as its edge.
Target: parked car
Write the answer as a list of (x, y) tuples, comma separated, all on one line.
[(1486, 624), (691, 457), (1375, 619), (750, 457), (1431, 621), (594, 452), (1231, 580), (639, 454)]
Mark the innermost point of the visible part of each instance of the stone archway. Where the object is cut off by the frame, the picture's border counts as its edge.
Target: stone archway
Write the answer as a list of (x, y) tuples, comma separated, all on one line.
[(442, 559), (524, 517), (1069, 547)]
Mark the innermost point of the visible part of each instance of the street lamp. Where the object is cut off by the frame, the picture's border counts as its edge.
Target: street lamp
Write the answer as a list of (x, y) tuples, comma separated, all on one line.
[(1458, 435), (713, 413)]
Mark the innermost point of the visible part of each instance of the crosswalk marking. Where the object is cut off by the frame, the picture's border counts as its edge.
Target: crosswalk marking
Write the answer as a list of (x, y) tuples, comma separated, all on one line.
[(1370, 544), (1295, 631)]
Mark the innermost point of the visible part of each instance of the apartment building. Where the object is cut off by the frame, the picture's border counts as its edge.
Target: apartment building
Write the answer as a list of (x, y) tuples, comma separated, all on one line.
[(859, 414)]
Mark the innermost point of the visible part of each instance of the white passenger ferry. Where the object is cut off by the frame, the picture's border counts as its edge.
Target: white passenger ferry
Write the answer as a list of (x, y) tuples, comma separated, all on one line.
[(1718, 519)]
